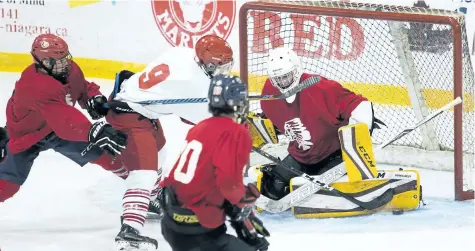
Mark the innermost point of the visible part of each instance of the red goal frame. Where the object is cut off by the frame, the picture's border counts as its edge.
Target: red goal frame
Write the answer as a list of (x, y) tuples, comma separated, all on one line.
[(460, 194)]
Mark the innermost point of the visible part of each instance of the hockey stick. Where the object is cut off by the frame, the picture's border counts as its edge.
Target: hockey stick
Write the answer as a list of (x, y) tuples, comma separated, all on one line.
[(446, 107), (301, 193), (173, 101), (375, 203), (304, 84)]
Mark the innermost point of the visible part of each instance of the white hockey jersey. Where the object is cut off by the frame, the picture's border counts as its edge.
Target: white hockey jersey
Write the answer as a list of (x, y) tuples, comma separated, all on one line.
[(174, 75)]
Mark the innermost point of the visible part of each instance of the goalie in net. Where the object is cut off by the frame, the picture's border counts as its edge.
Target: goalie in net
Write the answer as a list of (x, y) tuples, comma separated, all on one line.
[(327, 126)]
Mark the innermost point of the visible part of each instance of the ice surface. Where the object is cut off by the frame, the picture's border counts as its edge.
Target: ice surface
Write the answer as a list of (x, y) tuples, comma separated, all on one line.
[(65, 207)]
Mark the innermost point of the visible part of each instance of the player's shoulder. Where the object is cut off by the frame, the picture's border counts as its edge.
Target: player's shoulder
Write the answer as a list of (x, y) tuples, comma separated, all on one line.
[(76, 73), (180, 62), (323, 83), (34, 82), (75, 68), (216, 123), (268, 88), (175, 54), (219, 125)]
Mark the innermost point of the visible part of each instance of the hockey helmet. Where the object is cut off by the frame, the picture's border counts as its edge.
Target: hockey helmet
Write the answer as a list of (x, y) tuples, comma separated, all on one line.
[(284, 68), (214, 55), (228, 95), (51, 53)]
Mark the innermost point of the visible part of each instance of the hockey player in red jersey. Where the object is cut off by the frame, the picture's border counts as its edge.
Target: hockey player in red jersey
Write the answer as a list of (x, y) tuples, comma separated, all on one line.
[(310, 119), (206, 184), (41, 116)]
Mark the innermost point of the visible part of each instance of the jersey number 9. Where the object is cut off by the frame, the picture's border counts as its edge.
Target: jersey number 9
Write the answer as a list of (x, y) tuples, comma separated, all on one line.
[(154, 76)]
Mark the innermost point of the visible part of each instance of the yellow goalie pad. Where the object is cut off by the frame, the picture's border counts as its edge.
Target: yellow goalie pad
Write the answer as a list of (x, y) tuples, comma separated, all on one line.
[(323, 204), (262, 130), (357, 151)]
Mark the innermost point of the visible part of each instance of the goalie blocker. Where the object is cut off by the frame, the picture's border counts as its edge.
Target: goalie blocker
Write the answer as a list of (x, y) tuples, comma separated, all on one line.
[(363, 180)]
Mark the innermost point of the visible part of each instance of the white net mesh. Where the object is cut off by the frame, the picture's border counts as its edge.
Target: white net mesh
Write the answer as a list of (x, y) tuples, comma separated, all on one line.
[(405, 68)]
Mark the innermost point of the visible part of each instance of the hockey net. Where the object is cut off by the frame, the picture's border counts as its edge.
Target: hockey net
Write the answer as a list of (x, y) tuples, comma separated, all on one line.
[(408, 61)]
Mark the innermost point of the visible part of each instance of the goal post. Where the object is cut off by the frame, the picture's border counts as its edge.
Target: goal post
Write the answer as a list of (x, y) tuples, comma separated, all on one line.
[(408, 61)]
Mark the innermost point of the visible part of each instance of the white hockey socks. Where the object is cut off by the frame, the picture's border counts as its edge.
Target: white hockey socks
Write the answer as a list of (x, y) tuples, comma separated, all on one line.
[(135, 202)]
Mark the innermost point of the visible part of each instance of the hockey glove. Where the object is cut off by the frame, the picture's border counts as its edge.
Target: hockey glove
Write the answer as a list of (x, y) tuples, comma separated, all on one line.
[(3, 144), (95, 107), (250, 197), (250, 229), (107, 138)]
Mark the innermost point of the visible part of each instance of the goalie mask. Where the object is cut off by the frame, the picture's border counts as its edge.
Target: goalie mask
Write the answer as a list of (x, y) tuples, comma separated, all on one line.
[(284, 69), (51, 54), (228, 95), (214, 55)]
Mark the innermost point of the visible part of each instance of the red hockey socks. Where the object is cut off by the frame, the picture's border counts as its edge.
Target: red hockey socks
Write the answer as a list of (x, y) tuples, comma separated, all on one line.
[(7, 189), (109, 164)]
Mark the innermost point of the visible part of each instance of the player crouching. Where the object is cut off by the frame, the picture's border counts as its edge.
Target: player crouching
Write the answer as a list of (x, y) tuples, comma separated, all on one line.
[(329, 129), (206, 183)]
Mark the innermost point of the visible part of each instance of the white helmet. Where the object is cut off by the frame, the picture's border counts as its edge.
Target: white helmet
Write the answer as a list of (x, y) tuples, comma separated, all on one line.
[(284, 69)]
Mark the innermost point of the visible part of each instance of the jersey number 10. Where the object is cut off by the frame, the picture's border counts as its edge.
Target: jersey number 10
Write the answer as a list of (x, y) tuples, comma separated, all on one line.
[(185, 175), (154, 76)]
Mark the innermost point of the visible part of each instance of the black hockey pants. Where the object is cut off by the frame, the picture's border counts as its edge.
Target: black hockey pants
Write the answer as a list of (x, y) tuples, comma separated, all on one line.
[(215, 240)]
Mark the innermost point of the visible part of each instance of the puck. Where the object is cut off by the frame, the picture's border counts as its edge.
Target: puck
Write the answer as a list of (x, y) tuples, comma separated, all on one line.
[(398, 211)]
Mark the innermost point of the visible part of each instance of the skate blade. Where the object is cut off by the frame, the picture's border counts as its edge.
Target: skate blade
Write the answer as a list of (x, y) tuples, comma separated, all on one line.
[(134, 246), (153, 216)]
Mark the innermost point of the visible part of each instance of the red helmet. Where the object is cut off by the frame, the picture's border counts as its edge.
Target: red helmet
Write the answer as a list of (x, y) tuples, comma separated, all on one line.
[(48, 46), (52, 54), (214, 55)]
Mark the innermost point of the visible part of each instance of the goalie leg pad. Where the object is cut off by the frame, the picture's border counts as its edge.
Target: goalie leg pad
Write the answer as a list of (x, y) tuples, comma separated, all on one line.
[(323, 204), (357, 149)]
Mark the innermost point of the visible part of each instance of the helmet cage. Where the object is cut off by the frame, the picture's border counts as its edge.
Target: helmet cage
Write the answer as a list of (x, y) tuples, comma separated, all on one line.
[(212, 69), (284, 81), (57, 68)]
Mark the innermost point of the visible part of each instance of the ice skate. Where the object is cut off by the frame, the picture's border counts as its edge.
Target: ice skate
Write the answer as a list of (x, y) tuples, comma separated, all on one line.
[(154, 210), (129, 239)]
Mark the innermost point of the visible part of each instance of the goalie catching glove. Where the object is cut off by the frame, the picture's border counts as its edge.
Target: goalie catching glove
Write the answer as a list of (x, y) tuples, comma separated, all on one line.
[(107, 138), (248, 227), (262, 130)]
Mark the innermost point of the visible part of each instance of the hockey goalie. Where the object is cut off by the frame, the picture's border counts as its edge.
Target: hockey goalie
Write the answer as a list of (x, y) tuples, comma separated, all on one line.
[(329, 130)]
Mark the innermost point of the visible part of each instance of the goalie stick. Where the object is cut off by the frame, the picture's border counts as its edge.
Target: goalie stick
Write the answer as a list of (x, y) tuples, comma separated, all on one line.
[(373, 204), (301, 193), (429, 117), (303, 85)]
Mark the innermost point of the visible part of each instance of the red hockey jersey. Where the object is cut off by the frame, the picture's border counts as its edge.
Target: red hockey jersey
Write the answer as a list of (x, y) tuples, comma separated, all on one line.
[(40, 105), (311, 122), (210, 169)]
